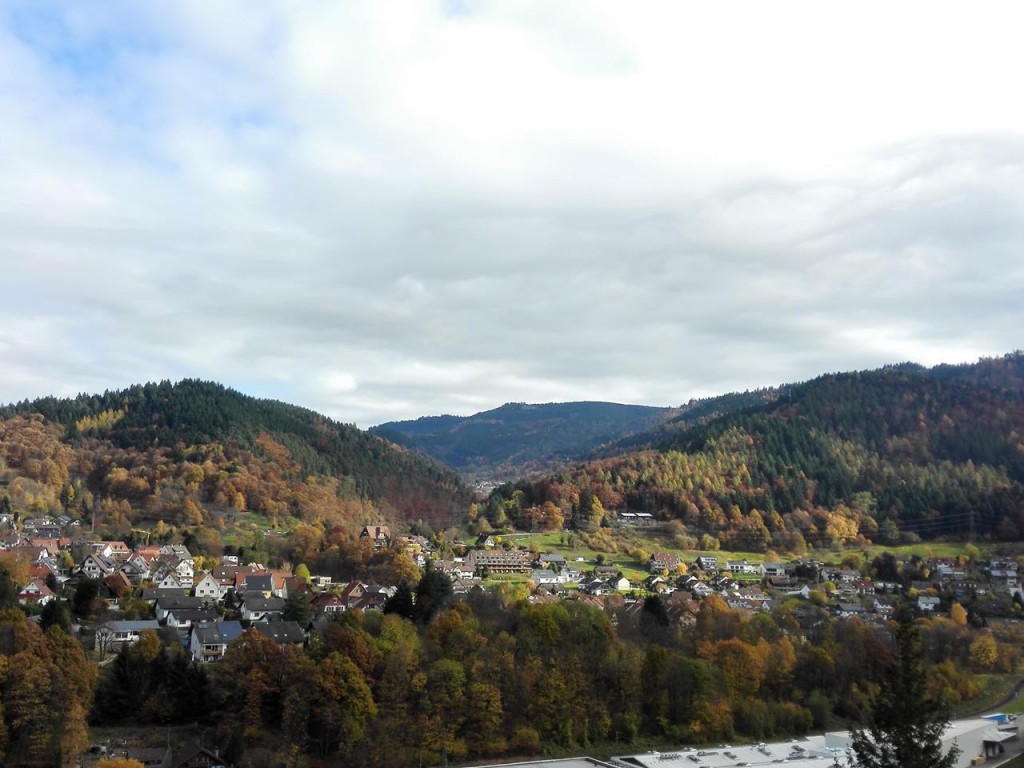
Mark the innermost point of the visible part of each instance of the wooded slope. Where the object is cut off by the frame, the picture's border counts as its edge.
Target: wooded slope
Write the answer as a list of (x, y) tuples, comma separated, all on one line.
[(879, 454), (191, 452)]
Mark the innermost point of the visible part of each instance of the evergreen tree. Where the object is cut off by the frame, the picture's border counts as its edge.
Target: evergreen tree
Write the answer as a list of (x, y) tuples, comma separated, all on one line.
[(298, 609), (401, 602), (905, 722), (432, 593)]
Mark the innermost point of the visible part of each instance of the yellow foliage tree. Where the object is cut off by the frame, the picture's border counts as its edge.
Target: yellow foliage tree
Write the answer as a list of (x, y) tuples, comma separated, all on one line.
[(119, 762), (983, 652)]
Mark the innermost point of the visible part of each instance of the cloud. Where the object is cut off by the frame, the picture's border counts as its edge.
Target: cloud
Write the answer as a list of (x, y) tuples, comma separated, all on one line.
[(383, 215)]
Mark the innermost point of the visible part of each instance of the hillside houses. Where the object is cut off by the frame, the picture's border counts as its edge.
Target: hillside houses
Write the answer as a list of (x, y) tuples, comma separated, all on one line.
[(378, 535), (186, 599)]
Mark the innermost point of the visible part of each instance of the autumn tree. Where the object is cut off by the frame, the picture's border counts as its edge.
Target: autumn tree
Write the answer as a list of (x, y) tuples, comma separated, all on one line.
[(905, 724), (46, 689)]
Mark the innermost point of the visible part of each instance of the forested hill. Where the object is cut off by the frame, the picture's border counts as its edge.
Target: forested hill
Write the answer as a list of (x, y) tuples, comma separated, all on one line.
[(691, 414), (518, 438), (192, 451), (901, 451)]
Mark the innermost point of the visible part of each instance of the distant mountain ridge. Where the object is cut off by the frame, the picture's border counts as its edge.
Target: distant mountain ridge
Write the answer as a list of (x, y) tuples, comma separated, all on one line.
[(519, 438)]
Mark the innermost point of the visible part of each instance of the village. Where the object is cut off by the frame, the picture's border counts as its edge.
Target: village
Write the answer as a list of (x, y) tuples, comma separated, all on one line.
[(158, 587)]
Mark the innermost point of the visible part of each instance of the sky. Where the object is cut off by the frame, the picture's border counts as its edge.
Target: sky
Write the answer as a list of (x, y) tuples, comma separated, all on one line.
[(382, 211)]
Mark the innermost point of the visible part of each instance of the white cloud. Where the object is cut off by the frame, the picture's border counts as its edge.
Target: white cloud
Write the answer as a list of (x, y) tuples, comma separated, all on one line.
[(389, 211)]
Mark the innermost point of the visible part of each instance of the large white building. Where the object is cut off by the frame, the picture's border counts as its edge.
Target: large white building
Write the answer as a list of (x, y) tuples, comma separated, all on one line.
[(982, 742)]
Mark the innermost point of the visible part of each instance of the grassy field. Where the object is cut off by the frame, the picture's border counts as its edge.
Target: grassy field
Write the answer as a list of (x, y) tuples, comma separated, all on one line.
[(649, 541)]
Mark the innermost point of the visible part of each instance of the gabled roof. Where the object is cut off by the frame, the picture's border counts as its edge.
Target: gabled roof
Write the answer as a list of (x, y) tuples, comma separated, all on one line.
[(179, 602), (263, 604), (260, 582), (281, 631), (219, 633), (36, 589), (103, 563), (131, 625), (548, 557), (158, 593), (194, 754)]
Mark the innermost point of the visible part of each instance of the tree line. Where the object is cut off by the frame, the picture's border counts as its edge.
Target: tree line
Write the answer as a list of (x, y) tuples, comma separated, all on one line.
[(492, 675)]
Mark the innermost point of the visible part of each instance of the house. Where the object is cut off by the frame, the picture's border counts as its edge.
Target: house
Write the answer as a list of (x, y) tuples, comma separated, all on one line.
[(136, 568), (486, 541), (295, 585), (413, 543), (883, 607), (465, 586), (328, 604), (259, 584), (663, 561), (209, 641), (182, 570), (380, 535), (773, 569), (352, 593), (847, 576), (197, 756), (863, 587), (370, 601), (261, 608), (543, 576), (226, 574), (845, 610), (165, 605), (701, 590), (636, 518), (97, 566), (153, 595), (208, 588), (781, 582), (281, 632), (41, 528), (620, 584), (112, 550), (179, 551), (113, 635), (550, 560), (741, 566), (571, 574), (186, 618), (707, 563), (927, 603), (171, 580), (656, 583), (36, 593)]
